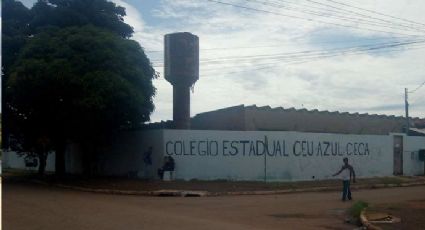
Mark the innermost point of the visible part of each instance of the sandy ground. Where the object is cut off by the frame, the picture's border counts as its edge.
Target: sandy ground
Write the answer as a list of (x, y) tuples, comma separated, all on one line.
[(0, 199), (38, 207)]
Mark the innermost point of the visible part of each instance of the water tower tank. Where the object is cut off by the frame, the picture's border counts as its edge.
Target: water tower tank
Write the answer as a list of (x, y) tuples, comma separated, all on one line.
[(181, 69)]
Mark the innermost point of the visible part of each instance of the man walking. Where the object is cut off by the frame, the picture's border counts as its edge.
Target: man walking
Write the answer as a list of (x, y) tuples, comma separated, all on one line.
[(347, 173)]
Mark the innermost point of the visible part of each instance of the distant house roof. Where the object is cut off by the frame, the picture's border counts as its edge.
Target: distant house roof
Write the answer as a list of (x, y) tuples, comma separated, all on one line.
[(415, 131), (265, 108), (266, 118)]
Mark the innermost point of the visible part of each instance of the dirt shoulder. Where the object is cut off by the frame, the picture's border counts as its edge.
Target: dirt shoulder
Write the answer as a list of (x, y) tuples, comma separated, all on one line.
[(411, 213), (218, 187)]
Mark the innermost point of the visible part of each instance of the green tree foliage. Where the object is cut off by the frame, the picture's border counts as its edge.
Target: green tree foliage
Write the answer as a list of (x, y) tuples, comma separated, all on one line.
[(88, 77), (67, 13), (19, 22), (76, 77), (15, 30)]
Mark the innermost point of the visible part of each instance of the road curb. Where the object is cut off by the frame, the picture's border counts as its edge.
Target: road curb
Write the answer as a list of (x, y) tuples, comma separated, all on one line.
[(193, 193)]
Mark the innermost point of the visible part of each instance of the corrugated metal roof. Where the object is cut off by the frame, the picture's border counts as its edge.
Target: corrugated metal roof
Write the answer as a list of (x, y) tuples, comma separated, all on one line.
[(422, 131)]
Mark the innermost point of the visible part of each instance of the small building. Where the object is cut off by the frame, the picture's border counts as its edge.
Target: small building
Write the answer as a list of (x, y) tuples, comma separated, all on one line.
[(265, 118)]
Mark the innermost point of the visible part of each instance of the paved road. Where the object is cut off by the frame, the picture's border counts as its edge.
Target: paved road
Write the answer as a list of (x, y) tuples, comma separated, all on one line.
[(37, 207)]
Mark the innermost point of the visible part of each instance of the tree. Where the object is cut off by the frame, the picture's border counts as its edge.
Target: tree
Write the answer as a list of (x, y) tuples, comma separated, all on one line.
[(68, 13), (80, 83), (67, 80), (15, 31)]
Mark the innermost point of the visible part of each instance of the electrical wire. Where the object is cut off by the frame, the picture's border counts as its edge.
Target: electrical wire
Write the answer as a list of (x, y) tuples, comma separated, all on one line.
[(298, 43), (376, 12), (420, 86), (306, 53), (349, 11), (374, 22), (296, 61), (306, 19)]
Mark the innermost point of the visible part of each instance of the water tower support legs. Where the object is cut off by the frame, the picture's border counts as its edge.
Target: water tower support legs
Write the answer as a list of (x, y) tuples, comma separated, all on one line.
[(181, 107)]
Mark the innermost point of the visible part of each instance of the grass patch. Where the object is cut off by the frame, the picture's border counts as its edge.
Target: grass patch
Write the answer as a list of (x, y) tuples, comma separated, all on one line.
[(357, 208), (391, 180)]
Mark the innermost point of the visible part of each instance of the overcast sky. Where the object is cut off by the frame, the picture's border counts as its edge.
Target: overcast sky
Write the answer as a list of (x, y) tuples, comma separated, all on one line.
[(336, 55)]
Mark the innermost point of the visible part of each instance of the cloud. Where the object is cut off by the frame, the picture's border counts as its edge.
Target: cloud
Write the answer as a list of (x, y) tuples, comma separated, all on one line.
[(353, 83), (28, 3), (290, 76)]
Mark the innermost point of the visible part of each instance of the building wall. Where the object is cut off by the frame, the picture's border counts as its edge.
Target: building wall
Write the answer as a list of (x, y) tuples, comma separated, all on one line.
[(232, 118), (265, 118), (73, 159), (209, 155), (11, 159), (245, 155), (411, 163), (122, 157), (255, 118), (125, 155)]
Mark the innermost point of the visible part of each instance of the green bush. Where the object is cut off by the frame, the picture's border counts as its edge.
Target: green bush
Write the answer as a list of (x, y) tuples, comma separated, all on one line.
[(357, 208)]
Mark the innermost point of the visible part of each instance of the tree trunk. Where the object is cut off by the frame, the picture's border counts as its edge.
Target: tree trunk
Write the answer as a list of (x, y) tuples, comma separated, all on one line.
[(88, 161), (60, 158), (42, 158)]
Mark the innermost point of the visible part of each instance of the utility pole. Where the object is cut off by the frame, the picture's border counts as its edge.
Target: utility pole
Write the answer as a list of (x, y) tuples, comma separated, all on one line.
[(406, 107)]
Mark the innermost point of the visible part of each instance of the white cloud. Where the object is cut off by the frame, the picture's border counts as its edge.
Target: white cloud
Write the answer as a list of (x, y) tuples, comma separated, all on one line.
[(355, 83), (348, 83), (358, 83)]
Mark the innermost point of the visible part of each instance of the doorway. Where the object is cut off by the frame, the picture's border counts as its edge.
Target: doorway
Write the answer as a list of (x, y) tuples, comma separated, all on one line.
[(398, 155)]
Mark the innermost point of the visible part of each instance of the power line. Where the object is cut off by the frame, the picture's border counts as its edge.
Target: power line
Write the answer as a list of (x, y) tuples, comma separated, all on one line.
[(299, 61), (350, 11), (373, 22), (298, 43), (345, 10), (308, 59), (376, 12), (423, 83), (303, 59), (295, 61), (259, 56), (310, 53), (306, 19)]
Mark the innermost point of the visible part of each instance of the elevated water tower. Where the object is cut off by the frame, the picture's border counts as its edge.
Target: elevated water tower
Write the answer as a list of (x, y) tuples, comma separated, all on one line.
[(181, 69)]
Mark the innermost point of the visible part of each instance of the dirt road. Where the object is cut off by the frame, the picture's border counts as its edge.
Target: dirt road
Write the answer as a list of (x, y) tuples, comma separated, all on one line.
[(37, 207)]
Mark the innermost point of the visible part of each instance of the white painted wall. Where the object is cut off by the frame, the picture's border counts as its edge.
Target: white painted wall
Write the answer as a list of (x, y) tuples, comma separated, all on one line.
[(225, 158), (124, 156), (73, 159), (194, 160), (11, 159), (411, 163)]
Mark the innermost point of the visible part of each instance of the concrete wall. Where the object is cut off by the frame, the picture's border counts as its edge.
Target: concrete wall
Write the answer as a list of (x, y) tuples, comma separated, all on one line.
[(275, 156), (221, 154), (11, 159), (124, 156), (244, 155), (411, 163), (73, 159)]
